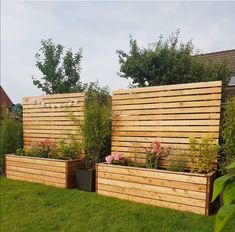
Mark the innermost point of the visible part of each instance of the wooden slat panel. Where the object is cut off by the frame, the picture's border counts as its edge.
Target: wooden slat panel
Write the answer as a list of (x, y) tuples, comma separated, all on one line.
[(170, 114)]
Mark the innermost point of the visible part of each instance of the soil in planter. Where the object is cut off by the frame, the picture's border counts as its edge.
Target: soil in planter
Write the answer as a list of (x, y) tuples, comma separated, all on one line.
[(86, 179)]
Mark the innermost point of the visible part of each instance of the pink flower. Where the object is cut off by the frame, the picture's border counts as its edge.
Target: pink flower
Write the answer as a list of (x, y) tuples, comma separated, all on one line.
[(117, 156), (109, 159), (156, 146)]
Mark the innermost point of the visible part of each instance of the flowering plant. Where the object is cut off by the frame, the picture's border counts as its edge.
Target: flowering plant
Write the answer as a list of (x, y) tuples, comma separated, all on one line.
[(117, 158), (153, 155)]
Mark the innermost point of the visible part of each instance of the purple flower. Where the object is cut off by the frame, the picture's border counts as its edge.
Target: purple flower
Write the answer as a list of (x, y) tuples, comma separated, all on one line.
[(109, 159)]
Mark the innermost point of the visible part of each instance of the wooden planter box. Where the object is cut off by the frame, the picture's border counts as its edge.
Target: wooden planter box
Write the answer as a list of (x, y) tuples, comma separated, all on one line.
[(176, 190), (59, 173)]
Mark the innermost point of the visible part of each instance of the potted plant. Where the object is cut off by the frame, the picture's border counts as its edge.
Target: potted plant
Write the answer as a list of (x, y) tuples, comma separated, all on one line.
[(96, 131)]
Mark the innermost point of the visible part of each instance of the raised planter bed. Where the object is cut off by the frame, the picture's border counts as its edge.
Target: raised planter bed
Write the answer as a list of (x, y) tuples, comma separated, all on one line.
[(59, 173), (177, 190)]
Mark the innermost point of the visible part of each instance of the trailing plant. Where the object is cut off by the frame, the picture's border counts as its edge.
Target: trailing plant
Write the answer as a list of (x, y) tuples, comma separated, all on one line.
[(228, 133), (11, 133), (153, 155), (177, 160), (203, 154), (225, 185)]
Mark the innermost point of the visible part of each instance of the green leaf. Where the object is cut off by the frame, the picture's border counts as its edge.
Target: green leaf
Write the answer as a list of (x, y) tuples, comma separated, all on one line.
[(229, 193), (219, 184), (224, 216), (230, 166)]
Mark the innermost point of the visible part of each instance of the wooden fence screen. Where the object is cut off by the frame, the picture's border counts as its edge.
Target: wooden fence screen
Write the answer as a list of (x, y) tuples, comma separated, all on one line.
[(169, 113), (47, 117)]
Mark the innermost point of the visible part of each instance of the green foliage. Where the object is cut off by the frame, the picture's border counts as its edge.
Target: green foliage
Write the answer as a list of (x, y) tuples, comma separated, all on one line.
[(65, 149), (168, 62), (11, 133), (228, 133), (225, 185), (96, 128), (70, 149), (203, 154), (177, 160), (17, 110), (60, 74)]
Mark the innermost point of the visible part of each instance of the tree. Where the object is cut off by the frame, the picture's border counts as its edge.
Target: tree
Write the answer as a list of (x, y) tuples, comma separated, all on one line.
[(61, 74), (168, 62)]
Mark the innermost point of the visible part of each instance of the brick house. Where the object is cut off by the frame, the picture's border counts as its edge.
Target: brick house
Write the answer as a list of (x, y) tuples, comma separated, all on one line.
[(229, 56), (4, 99)]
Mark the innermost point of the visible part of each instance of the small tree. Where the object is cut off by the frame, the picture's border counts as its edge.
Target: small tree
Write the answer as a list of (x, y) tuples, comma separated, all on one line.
[(61, 74), (168, 62)]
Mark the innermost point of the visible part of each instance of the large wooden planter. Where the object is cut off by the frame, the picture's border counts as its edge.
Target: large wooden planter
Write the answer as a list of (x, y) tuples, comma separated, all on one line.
[(176, 190), (59, 173)]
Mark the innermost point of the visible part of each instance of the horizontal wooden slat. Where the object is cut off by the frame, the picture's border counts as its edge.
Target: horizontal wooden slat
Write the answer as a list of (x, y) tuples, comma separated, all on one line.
[(153, 195), (61, 119), (36, 171), (34, 160), (168, 123), (161, 174), (51, 114), (171, 87), (23, 178), (153, 202), (163, 134), (154, 188), (55, 96), (36, 166), (153, 181), (167, 128), (165, 99), (154, 105), (168, 111), (31, 176), (152, 93)]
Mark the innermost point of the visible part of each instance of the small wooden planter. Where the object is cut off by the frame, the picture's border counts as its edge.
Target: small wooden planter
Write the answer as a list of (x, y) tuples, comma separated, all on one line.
[(177, 190), (59, 173)]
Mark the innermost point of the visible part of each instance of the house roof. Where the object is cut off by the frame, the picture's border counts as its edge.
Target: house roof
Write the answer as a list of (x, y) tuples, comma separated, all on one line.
[(217, 57), (4, 99)]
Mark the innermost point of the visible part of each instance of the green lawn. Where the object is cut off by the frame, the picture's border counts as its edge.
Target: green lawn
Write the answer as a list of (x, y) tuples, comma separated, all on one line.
[(35, 207)]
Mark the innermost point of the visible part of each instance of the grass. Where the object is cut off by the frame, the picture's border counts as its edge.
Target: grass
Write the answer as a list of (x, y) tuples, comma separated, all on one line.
[(35, 207)]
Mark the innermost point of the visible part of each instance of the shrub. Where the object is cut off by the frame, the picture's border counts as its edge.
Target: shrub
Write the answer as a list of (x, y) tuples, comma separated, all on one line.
[(70, 149), (203, 154), (11, 134), (177, 160), (228, 133), (96, 129)]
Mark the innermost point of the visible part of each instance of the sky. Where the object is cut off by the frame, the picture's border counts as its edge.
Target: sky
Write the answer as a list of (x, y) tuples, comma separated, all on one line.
[(101, 28)]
